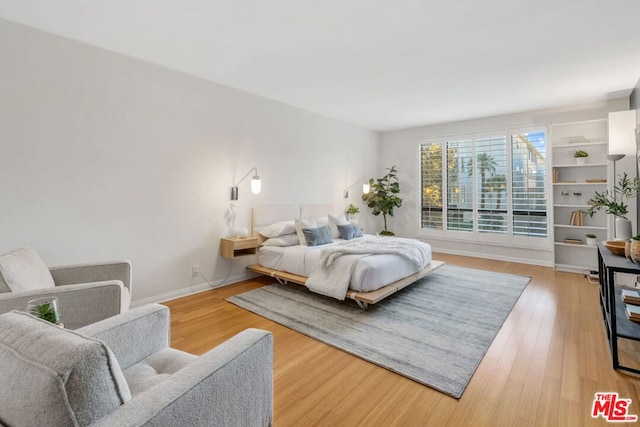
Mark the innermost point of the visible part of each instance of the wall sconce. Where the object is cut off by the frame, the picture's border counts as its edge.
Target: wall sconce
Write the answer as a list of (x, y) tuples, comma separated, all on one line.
[(256, 184), (365, 187)]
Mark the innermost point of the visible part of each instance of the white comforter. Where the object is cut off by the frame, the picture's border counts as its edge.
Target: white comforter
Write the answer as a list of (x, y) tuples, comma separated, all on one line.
[(331, 274)]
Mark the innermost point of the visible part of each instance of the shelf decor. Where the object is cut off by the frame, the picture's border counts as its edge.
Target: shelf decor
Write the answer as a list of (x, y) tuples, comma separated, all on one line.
[(580, 156), (634, 249)]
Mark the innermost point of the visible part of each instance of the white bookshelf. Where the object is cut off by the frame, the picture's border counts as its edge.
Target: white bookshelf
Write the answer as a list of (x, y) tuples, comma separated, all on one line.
[(573, 186)]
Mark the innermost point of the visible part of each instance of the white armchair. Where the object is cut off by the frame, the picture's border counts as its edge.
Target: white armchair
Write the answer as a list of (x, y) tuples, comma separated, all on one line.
[(86, 293)]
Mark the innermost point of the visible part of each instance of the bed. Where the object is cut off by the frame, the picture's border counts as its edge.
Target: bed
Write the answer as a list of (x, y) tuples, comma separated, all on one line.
[(369, 273)]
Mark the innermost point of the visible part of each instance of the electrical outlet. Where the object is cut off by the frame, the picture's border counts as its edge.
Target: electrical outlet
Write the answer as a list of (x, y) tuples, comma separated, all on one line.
[(194, 270)]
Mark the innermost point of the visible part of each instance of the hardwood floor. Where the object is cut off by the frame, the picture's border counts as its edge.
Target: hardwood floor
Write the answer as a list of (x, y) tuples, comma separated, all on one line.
[(543, 369)]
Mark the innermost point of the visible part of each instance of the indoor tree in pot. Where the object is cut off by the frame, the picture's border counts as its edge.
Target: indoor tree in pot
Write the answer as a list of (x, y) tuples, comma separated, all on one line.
[(383, 197), (615, 204)]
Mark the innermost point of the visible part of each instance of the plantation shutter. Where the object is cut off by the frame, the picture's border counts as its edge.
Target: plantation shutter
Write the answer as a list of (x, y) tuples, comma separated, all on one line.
[(490, 173), (528, 184), (431, 185), (460, 185)]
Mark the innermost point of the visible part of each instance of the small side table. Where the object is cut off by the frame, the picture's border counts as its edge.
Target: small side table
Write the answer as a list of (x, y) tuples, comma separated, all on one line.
[(234, 247)]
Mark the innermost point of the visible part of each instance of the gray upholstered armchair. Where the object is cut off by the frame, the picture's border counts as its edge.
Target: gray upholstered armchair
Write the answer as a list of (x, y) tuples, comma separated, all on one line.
[(86, 293), (121, 372)]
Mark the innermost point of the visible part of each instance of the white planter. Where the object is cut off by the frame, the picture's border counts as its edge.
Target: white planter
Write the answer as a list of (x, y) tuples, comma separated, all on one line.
[(623, 229), (591, 241), (580, 160)]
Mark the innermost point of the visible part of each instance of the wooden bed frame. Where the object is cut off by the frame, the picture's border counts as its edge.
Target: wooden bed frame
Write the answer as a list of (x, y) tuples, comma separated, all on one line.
[(265, 215), (363, 299)]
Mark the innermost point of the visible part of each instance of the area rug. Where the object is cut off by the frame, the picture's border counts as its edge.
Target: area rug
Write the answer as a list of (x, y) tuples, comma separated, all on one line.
[(435, 331)]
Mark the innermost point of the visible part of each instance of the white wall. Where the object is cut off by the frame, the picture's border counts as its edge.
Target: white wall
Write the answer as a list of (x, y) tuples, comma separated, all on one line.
[(107, 157), (402, 148)]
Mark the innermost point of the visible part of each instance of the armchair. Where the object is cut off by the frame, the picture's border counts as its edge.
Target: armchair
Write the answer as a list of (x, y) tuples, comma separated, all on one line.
[(121, 372), (86, 293)]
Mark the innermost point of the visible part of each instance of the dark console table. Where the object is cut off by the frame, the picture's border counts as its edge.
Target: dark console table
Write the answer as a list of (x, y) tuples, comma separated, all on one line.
[(616, 322)]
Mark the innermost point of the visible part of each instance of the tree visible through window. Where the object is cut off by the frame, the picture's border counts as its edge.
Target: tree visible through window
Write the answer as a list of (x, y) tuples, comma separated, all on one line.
[(493, 184)]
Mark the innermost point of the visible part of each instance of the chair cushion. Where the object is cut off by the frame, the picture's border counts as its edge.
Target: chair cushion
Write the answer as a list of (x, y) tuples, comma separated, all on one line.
[(23, 270), (156, 368), (64, 378)]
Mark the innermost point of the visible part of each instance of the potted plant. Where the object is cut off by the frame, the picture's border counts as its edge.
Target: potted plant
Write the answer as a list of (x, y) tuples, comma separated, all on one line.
[(614, 203), (352, 212), (580, 156), (591, 239), (45, 308), (382, 197)]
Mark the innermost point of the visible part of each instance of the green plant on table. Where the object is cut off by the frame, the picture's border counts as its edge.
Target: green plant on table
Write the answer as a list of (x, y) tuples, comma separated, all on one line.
[(614, 202), (352, 209), (46, 311)]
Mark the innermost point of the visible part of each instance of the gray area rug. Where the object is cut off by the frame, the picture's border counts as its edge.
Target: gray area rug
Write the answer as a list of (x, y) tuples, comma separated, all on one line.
[(435, 331)]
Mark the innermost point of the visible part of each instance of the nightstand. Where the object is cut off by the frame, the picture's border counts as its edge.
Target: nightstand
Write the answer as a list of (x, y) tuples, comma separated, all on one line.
[(234, 247)]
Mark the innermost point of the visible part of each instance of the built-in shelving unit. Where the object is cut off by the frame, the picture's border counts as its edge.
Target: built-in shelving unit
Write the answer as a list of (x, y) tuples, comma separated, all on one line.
[(573, 186)]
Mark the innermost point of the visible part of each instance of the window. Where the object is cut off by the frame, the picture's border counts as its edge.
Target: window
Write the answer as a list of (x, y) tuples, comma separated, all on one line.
[(494, 184), (432, 179), (528, 181), (459, 200)]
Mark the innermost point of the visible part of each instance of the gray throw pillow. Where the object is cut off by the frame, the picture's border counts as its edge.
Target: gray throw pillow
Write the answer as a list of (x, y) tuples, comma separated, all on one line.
[(317, 236), (349, 231)]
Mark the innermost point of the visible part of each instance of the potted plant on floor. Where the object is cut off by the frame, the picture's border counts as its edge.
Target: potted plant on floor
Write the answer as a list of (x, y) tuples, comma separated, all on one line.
[(614, 203), (382, 197)]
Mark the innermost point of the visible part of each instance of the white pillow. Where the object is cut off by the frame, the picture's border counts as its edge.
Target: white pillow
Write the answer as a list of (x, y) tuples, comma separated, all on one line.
[(304, 223), (23, 270), (322, 221), (281, 241), (334, 221), (278, 229)]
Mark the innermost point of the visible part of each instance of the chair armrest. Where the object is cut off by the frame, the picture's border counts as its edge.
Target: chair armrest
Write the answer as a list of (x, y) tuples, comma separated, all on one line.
[(133, 335), (231, 385), (94, 272), (79, 305)]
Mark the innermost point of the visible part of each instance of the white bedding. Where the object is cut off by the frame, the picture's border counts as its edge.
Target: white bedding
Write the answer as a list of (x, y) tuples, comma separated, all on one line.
[(370, 273)]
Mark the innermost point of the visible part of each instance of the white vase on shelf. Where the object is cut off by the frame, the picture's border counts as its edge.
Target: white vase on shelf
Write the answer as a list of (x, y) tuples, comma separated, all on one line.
[(623, 229), (581, 160)]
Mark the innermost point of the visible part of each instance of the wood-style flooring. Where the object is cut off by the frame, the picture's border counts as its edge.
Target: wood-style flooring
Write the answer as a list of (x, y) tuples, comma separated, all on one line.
[(543, 368)]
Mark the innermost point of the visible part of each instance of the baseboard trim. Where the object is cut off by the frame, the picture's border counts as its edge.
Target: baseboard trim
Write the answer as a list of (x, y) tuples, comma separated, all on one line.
[(190, 290), (494, 257)]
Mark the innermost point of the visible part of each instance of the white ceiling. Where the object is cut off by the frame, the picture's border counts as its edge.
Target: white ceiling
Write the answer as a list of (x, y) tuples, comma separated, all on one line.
[(383, 65)]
